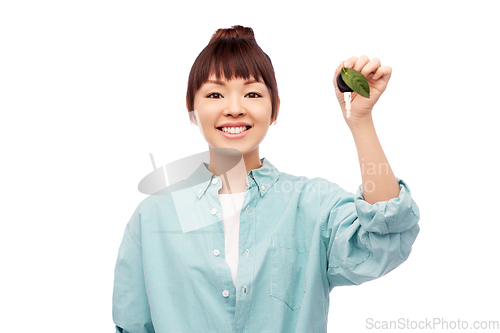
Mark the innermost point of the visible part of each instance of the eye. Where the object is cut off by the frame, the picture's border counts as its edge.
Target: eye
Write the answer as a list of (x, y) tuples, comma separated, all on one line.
[(214, 94), (255, 94)]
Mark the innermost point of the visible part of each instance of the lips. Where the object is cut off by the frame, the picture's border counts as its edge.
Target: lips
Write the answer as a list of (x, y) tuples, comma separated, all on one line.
[(234, 124)]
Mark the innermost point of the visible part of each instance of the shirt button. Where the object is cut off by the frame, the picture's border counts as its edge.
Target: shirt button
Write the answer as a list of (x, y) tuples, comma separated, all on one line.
[(225, 293), (216, 252), (214, 211), (244, 290), (262, 187), (214, 181), (248, 208), (200, 190)]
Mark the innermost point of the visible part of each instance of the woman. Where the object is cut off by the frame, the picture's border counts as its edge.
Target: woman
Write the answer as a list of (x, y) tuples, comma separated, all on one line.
[(240, 246)]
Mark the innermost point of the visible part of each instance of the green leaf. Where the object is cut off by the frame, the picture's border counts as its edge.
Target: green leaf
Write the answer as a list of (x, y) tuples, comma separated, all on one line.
[(356, 81)]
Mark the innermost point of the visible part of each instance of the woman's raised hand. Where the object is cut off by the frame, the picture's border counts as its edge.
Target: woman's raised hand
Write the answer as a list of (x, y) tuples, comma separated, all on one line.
[(377, 76)]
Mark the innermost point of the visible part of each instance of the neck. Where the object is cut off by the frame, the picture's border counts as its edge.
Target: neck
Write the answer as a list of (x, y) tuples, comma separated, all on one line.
[(233, 167)]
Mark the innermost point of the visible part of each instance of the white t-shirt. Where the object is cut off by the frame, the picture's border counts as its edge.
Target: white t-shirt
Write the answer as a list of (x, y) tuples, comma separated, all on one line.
[(231, 207)]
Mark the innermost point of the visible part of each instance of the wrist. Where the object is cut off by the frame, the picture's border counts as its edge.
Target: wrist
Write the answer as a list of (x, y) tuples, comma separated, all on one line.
[(359, 124)]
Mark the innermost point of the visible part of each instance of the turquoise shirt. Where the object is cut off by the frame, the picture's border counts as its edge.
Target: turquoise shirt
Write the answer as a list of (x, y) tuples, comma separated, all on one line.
[(299, 238)]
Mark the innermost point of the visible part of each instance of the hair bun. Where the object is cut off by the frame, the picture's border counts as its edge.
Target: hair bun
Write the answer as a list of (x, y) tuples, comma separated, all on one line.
[(236, 31)]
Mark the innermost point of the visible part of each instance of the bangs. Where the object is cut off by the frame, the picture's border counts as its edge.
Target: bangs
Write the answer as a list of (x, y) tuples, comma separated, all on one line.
[(231, 59)]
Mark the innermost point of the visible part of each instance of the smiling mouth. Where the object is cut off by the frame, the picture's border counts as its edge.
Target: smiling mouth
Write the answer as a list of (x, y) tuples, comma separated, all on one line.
[(246, 129)]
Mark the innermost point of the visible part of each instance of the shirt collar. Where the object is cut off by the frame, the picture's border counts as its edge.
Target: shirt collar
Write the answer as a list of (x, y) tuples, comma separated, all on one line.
[(264, 177)]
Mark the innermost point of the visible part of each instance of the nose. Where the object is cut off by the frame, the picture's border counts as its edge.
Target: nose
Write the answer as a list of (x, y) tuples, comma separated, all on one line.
[(234, 108)]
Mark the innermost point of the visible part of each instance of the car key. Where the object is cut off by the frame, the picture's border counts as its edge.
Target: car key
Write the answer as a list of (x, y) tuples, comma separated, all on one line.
[(347, 99)]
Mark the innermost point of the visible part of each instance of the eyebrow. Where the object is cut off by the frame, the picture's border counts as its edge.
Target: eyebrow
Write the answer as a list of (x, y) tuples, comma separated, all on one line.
[(221, 83)]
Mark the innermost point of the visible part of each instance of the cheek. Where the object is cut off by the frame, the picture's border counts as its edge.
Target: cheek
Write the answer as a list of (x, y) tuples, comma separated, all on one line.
[(197, 105), (204, 106), (267, 107), (263, 114), (205, 122), (199, 102)]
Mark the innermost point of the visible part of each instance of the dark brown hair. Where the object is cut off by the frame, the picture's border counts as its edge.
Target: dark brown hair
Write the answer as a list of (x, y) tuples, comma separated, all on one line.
[(233, 53)]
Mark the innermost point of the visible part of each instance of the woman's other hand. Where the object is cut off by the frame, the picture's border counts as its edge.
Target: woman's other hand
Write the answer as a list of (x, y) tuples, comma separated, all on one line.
[(377, 76)]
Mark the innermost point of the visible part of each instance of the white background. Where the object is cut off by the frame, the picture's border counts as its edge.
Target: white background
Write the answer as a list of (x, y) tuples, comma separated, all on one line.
[(89, 88)]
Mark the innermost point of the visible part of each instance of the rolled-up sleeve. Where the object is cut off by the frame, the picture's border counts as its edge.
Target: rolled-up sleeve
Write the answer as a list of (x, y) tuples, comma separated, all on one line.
[(131, 313), (365, 241)]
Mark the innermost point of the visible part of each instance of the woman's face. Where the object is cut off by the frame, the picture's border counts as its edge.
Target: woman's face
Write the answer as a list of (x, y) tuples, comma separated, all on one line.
[(219, 102)]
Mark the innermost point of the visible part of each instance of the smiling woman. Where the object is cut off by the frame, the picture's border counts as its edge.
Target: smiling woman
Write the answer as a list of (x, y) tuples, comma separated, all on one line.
[(240, 246), (233, 114), (232, 97)]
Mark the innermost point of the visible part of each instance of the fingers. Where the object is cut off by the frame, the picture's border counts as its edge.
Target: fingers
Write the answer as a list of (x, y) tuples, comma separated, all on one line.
[(339, 67), (366, 66), (361, 63), (382, 71), (349, 63), (370, 67)]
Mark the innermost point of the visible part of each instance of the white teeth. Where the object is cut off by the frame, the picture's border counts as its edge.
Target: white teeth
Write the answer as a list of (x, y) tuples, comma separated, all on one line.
[(234, 130)]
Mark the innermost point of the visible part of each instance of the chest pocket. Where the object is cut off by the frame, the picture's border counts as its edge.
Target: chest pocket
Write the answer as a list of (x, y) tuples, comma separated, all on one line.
[(289, 257)]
